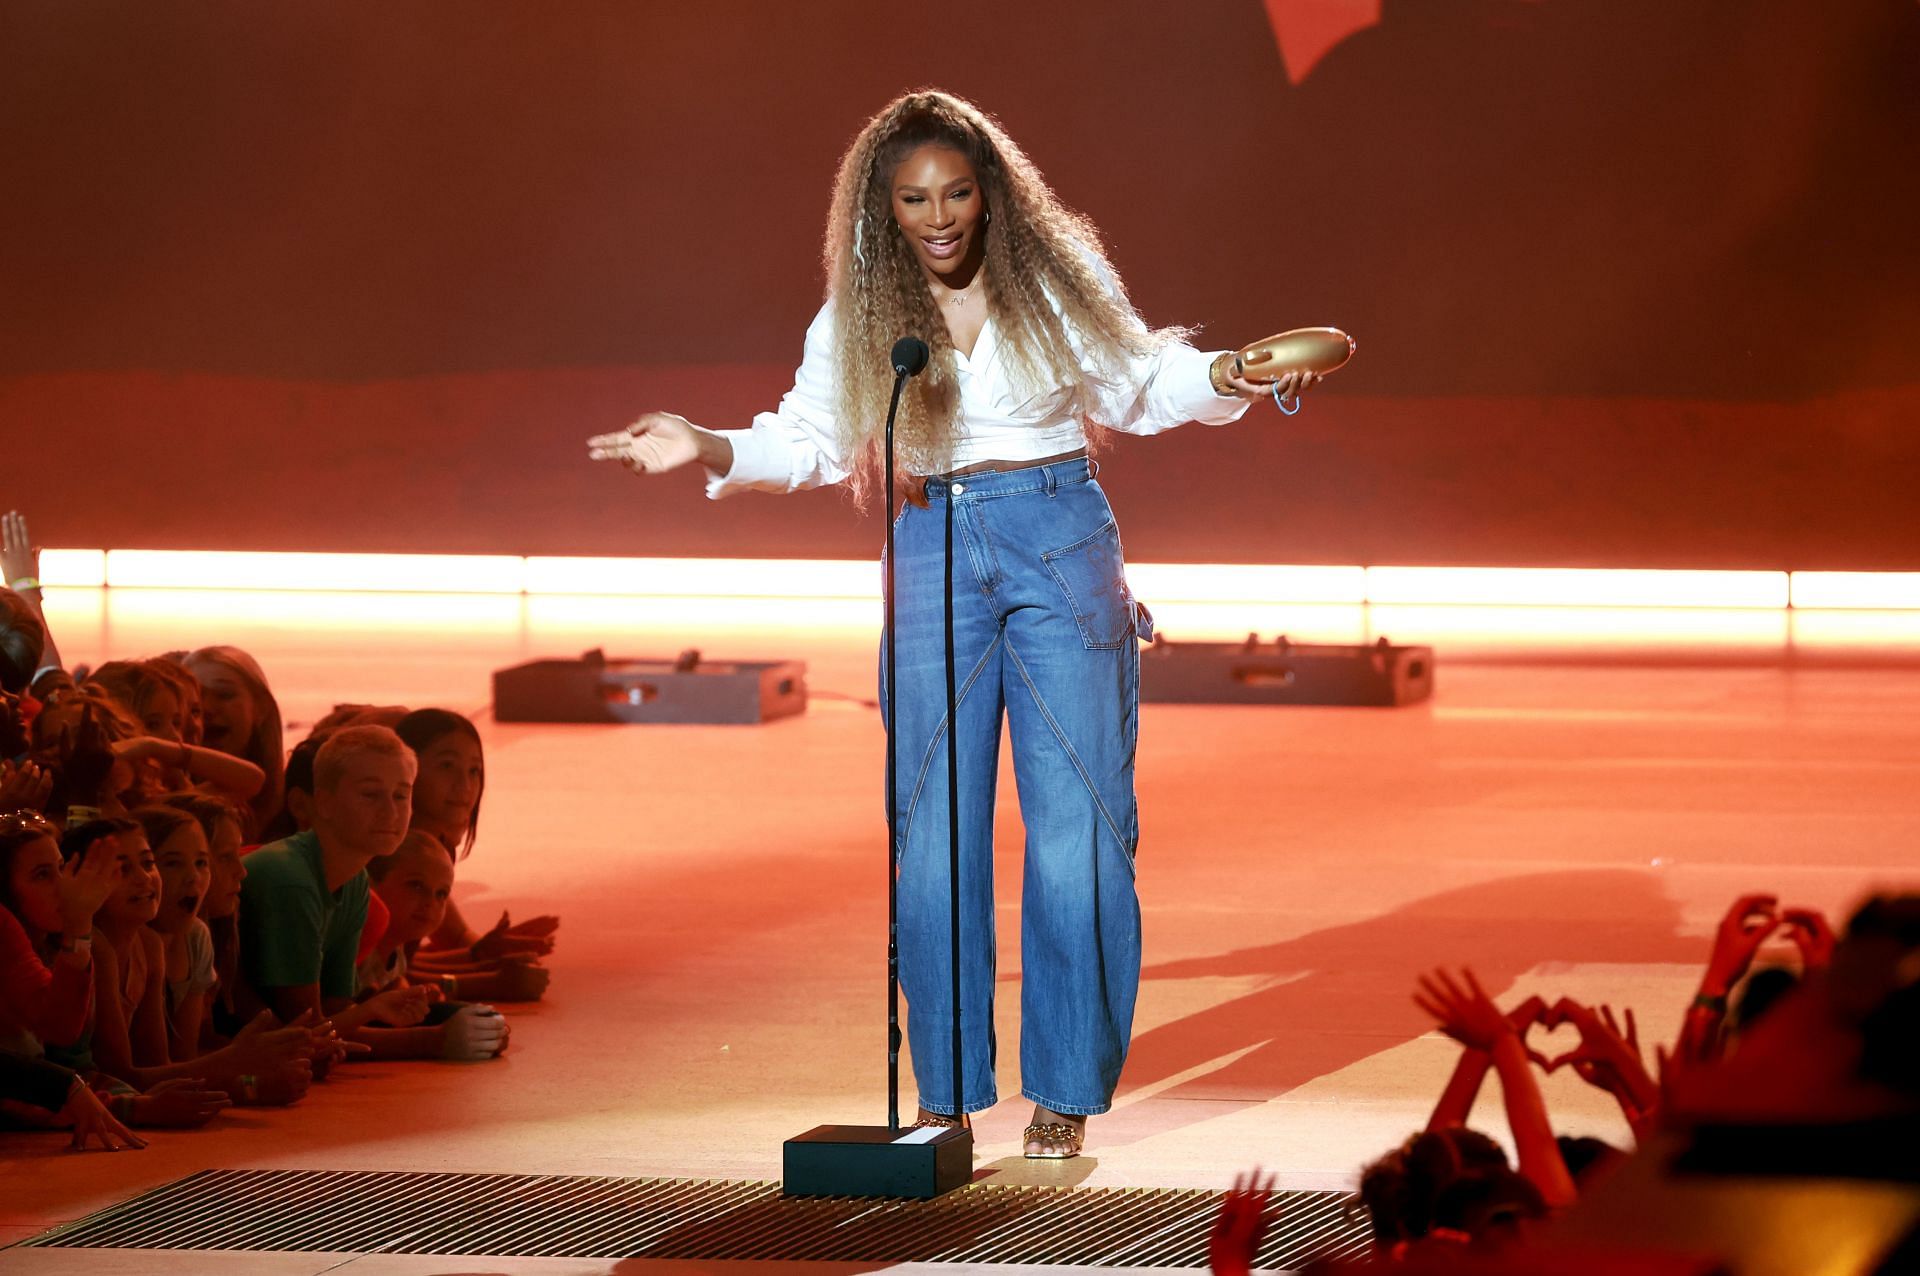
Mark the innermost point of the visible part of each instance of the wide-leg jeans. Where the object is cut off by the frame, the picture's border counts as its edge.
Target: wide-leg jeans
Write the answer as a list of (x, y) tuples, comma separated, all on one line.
[(1046, 639)]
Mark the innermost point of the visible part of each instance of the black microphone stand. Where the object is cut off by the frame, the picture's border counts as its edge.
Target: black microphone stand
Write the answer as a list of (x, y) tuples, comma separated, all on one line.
[(853, 1160)]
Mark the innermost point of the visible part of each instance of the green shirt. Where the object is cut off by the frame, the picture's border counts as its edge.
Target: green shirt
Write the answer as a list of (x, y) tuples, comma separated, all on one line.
[(293, 930)]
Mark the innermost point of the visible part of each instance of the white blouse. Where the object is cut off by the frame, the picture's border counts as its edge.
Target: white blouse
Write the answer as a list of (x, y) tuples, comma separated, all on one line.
[(793, 447)]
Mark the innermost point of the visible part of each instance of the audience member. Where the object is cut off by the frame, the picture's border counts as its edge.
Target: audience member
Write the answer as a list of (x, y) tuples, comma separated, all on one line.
[(221, 821), (126, 1040), (46, 931), (185, 867), (415, 882), (296, 806), (241, 717), (26, 642), (446, 803), (305, 898)]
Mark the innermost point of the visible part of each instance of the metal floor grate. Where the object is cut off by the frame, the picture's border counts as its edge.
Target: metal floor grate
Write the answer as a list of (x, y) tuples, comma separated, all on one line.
[(528, 1215)]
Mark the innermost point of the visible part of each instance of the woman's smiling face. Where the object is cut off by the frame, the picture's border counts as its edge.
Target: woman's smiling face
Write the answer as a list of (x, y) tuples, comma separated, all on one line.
[(939, 207)]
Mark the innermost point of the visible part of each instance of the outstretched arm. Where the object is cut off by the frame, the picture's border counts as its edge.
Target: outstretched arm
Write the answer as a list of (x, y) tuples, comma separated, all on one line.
[(786, 450), (1748, 923), (20, 565), (1469, 1016), (1463, 1087)]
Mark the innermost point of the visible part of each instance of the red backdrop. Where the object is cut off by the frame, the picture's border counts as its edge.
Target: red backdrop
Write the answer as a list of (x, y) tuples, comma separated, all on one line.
[(1635, 282)]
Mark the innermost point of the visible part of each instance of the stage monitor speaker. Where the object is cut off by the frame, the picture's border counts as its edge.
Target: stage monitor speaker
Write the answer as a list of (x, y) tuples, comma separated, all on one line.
[(686, 689), (916, 1162), (1284, 672)]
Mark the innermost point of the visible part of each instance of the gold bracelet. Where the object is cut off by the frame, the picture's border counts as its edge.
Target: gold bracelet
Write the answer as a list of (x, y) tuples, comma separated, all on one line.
[(1220, 388)]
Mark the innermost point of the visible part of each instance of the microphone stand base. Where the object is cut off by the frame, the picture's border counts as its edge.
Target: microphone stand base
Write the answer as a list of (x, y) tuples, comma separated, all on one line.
[(913, 1162)]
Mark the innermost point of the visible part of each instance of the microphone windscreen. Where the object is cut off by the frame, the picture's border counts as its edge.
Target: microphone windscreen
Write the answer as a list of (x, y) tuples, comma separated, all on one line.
[(909, 356)]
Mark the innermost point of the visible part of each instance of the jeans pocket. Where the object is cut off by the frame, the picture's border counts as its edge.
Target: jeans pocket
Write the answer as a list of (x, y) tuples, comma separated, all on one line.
[(1090, 574)]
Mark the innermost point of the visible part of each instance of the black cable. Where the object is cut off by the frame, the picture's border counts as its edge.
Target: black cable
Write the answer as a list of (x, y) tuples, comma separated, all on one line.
[(893, 798), (953, 811)]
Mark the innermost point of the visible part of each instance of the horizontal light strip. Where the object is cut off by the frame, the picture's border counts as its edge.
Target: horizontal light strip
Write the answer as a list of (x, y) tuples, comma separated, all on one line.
[(1574, 587), (1894, 591), (357, 573), (1214, 583), (1247, 583), (704, 577), (73, 568)]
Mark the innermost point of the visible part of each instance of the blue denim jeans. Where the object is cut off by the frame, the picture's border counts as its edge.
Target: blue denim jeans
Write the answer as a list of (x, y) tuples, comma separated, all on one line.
[(1045, 639)]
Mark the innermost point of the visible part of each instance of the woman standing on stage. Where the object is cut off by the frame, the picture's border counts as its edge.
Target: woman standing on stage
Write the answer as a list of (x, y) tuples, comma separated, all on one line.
[(942, 228)]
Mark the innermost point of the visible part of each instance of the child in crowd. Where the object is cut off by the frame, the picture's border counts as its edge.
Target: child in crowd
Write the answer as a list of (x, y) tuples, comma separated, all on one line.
[(446, 803), (47, 905), (414, 883), (241, 717), (128, 1040), (185, 865), (304, 900), (296, 806), (144, 689), (222, 822), (87, 732)]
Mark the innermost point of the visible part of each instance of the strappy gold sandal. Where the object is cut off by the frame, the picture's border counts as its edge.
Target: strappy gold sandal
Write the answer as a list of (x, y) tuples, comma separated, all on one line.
[(1053, 1132), (940, 1121)]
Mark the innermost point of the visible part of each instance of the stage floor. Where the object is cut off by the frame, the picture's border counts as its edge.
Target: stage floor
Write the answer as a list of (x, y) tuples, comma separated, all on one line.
[(1563, 827)]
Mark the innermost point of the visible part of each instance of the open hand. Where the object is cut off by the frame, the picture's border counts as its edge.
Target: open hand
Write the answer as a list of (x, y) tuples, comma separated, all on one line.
[(91, 1120), (84, 884), (1466, 1014), (1242, 1221), (19, 559), (656, 443)]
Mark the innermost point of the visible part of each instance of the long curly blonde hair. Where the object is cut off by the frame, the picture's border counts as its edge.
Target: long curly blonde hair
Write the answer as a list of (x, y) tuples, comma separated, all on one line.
[(1045, 277)]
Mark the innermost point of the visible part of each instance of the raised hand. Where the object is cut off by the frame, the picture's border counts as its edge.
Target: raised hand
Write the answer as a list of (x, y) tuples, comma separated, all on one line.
[(656, 443), (1527, 1013), (179, 1104), (1608, 1056), (91, 1120), (24, 787), (1810, 933), (1745, 927), (84, 884), (1242, 1221), (19, 559), (1466, 1013)]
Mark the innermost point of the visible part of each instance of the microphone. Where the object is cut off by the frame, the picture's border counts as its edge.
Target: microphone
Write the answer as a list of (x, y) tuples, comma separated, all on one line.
[(909, 356)]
